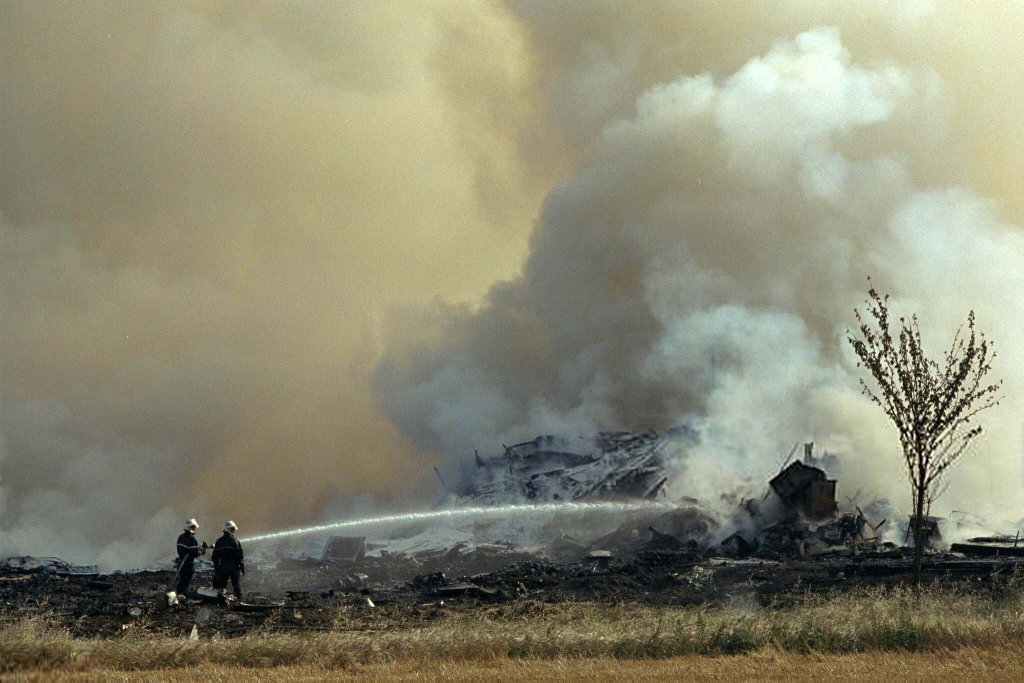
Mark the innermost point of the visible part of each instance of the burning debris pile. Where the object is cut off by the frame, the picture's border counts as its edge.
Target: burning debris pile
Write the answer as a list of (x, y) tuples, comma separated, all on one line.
[(652, 567), (793, 537), (796, 517), (549, 469)]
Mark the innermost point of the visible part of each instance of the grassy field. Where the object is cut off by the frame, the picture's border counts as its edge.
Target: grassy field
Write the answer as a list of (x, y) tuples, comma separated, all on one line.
[(937, 632)]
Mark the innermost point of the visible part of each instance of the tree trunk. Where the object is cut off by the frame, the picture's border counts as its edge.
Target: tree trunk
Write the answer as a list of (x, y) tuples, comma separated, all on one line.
[(919, 496)]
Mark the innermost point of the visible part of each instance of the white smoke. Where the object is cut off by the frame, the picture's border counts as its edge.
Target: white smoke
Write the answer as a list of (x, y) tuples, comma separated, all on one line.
[(704, 267), (206, 210)]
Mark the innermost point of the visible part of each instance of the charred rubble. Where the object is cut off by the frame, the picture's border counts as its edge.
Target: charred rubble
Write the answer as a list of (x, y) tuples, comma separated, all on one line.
[(793, 537), (627, 465)]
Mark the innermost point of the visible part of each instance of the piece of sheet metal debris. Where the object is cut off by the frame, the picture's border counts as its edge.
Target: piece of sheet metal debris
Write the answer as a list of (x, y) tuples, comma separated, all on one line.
[(736, 546), (344, 549), (465, 588), (987, 550), (598, 560), (237, 606), (48, 565), (210, 596), (429, 580)]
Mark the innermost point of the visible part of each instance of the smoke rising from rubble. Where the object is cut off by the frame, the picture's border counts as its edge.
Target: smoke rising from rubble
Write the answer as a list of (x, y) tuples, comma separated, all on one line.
[(703, 264), (210, 213), (205, 207)]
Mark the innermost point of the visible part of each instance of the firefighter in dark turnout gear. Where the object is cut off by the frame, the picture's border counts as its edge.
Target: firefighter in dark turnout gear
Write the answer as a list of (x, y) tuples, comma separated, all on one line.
[(228, 561), (188, 551)]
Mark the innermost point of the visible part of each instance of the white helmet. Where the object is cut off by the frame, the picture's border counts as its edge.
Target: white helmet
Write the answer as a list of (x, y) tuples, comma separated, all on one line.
[(191, 523), (230, 526)]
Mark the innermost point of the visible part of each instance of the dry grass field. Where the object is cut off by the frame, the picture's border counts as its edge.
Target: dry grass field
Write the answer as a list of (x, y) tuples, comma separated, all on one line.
[(961, 664), (879, 634)]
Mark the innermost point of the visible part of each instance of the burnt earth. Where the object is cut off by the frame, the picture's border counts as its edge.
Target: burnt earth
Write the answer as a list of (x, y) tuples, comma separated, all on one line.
[(375, 594)]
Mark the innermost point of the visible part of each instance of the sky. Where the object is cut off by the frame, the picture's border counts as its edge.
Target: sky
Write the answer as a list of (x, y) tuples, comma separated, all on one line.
[(274, 261)]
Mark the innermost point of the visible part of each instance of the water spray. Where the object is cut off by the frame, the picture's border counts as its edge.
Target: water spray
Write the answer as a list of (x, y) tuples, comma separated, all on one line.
[(477, 512)]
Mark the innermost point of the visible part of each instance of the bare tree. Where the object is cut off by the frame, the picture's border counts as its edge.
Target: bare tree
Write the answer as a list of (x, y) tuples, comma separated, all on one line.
[(932, 404)]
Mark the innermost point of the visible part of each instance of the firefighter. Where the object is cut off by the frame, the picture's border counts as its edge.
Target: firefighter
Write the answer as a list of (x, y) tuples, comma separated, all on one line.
[(228, 561), (188, 550)]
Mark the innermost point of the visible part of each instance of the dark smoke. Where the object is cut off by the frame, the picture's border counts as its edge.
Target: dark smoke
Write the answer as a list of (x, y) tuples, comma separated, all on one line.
[(209, 215)]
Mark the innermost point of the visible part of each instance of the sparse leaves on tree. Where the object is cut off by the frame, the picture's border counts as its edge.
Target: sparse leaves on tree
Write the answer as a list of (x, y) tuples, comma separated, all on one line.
[(933, 404)]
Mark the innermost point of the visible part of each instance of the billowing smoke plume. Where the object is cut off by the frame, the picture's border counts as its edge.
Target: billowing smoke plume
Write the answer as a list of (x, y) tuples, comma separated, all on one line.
[(703, 265), (203, 209), (206, 211)]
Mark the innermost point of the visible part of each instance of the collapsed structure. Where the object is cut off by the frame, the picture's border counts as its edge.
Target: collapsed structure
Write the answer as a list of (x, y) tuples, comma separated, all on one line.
[(796, 516), (792, 537), (550, 469)]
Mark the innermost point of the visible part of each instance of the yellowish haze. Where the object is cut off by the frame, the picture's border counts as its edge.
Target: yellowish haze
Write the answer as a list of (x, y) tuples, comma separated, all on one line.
[(225, 230)]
